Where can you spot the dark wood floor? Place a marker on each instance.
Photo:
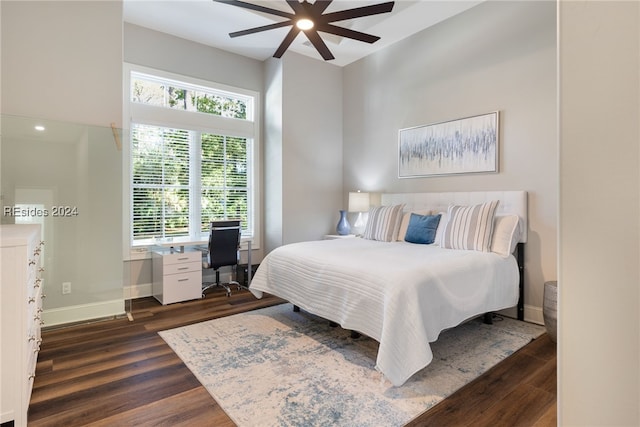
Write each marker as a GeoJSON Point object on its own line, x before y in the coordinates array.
{"type": "Point", "coordinates": [121, 373]}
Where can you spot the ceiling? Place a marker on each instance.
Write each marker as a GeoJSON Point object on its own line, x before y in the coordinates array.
{"type": "Point", "coordinates": [209, 22]}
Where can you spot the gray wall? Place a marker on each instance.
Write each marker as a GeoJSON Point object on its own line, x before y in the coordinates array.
{"type": "Point", "coordinates": [599, 281]}
{"type": "Point", "coordinates": [303, 128]}
{"type": "Point", "coordinates": [63, 60]}
{"type": "Point", "coordinates": [495, 56]}
{"type": "Point", "coordinates": [312, 147]}
{"type": "Point", "coordinates": [173, 54]}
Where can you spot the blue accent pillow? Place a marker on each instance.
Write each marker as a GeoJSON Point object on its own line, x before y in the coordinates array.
{"type": "Point", "coordinates": [422, 229]}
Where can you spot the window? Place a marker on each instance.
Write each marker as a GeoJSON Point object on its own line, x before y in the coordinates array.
{"type": "Point", "coordinates": [151, 90]}
{"type": "Point", "coordinates": [191, 157]}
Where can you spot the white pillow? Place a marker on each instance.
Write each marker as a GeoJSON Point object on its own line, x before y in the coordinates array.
{"type": "Point", "coordinates": [404, 224]}
{"type": "Point", "coordinates": [383, 223]}
{"type": "Point", "coordinates": [506, 234]}
{"type": "Point", "coordinates": [470, 227]}
{"type": "Point", "coordinates": [444, 218]}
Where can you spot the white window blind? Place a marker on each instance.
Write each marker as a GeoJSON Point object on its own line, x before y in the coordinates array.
{"type": "Point", "coordinates": [160, 182]}
{"type": "Point", "coordinates": [224, 185]}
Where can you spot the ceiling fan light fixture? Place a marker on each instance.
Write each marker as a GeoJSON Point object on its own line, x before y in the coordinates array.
{"type": "Point", "coordinates": [311, 18]}
{"type": "Point", "coordinates": [304, 24]}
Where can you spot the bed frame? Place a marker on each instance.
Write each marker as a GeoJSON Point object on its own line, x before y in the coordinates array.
{"type": "Point", "coordinates": [511, 202]}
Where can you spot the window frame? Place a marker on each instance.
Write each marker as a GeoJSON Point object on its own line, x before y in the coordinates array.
{"type": "Point", "coordinates": [194, 121]}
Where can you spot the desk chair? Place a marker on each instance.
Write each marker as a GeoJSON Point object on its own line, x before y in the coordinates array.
{"type": "Point", "coordinates": [224, 251]}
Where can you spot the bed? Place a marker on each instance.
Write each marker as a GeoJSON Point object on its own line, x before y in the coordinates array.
{"type": "Point", "coordinates": [404, 294]}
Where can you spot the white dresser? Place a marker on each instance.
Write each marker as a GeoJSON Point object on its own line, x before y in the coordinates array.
{"type": "Point", "coordinates": [21, 316]}
{"type": "Point", "coordinates": [177, 276]}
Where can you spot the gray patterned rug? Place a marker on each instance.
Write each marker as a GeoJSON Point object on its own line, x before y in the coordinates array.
{"type": "Point", "coordinates": [274, 367]}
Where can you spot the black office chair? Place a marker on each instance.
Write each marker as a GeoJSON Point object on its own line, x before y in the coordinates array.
{"type": "Point", "coordinates": [224, 251]}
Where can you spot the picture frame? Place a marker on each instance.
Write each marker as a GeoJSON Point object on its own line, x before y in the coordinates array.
{"type": "Point", "coordinates": [461, 146]}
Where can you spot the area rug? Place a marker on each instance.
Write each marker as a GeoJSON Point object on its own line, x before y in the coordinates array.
{"type": "Point", "coordinates": [276, 367]}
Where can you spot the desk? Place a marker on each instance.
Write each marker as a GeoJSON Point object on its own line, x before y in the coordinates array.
{"type": "Point", "coordinates": [179, 243]}
{"type": "Point", "coordinates": [177, 269]}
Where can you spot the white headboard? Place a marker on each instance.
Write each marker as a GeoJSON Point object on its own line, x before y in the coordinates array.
{"type": "Point", "coordinates": [511, 202]}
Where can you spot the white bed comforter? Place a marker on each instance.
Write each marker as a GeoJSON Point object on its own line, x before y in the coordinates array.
{"type": "Point", "coordinates": [401, 294]}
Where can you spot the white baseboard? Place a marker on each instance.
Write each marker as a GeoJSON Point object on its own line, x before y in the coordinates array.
{"type": "Point", "coordinates": [532, 314]}
{"type": "Point", "coordinates": [138, 291]}
{"type": "Point", "coordinates": [82, 313]}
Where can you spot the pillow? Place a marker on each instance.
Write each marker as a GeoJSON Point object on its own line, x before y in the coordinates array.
{"type": "Point", "coordinates": [402, 231]}
{"type": "Point", "coordinates": [383, 223]}
{"type": "Point", "coordinates": [470, 227]}
{"type": "Point", "coordinates": [506, 234]}
{"type": "Point", "coordinates": [422, 229]}
{"type": "Point", "coordinates": [444, 218]}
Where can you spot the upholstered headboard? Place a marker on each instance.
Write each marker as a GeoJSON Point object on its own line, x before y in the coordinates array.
{"type": "Point", "coordinates": [511, 202]}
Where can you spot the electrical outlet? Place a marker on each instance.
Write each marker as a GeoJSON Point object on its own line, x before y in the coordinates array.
{"type": "Point", "coordinates": [66, 288]}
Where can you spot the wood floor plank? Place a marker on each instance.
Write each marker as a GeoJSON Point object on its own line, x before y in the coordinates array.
{"type": "Point", "coordinates": [106, 364]}
{"type": "Point", "coordinates": [79, 407]}
{"type": "Point", "coordinates": [89, 379]}
{"type": "Point", "coordinates": [527, 404]}
{"type": "Point", "coordinates": [549, 418]}
{"type": "Point", "coordinates": [545, 378]}
{"type": "Point", "coordinates": [542, 347]}
{"type": "Point", "coordinates": [191, 408]}
{"type": "Point", "coordinates": [117, 372]}
{"type": "Point", "coordinates": [481, 394]}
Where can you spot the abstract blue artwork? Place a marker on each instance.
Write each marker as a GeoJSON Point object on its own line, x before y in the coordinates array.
{"type": "Point", "coordinates": [468, 145]}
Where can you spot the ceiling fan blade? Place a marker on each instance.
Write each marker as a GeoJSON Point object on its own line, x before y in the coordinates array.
{"type": "Point", "coordinates": [358, 12]}
{"type": "Point", "coordinates": [295, 5]}
{"type": "Point", "coordinates": [286, 42]}
{"type": "Point", "coordinates": [320, 6]}
{"type": "Point", "coordinates": [345, 32]}
{"type": "Point", "coordinates": [259, 29]}
{"type": "Point", "coordinates": [257, 8]}
{"type": "Point", "coordinates": [319, 44]}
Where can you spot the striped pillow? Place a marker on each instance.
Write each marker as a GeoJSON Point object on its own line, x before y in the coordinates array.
{"type": "Point", "coordinates": [383, 223]}
{"type": "Point", "coordinates": [470, 227]}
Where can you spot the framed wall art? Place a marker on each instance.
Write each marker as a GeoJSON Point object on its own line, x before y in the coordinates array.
{"type": "Point", "coordinates": [468, 145]}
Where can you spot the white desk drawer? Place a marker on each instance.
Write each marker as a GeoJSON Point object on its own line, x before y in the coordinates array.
{"type": "Point", "coordinates": [181, 287]}
{"type": "Point", "coordinates": [182, 268]}
{"type": "Point", "coordinates": [181, 257]}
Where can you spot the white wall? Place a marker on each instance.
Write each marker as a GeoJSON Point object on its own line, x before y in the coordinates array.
{"type": "Point", "coordinates": [273, 156]}
{"type": "Point", "coordinates": [62, 64]}
{"type": "Point", "coordinates": [162, 51]}
{"type": "Point", "coordinates": [303, 138]}
{"type": "Point", "coordinates": [63, 60]}
{"type": "Point", "coordinates": [495, 56]}
{"type": "Point", "coordinates": [599, 280]}
{"type": "Point", "coordinates": [312, 147]}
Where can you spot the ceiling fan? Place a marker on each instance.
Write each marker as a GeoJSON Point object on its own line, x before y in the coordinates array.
{"type": "Point", "coordinates": [310, 18]}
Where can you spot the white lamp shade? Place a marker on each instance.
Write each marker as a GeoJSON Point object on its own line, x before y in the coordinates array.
{"type": "Point", "coordinates": [359, 202]}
